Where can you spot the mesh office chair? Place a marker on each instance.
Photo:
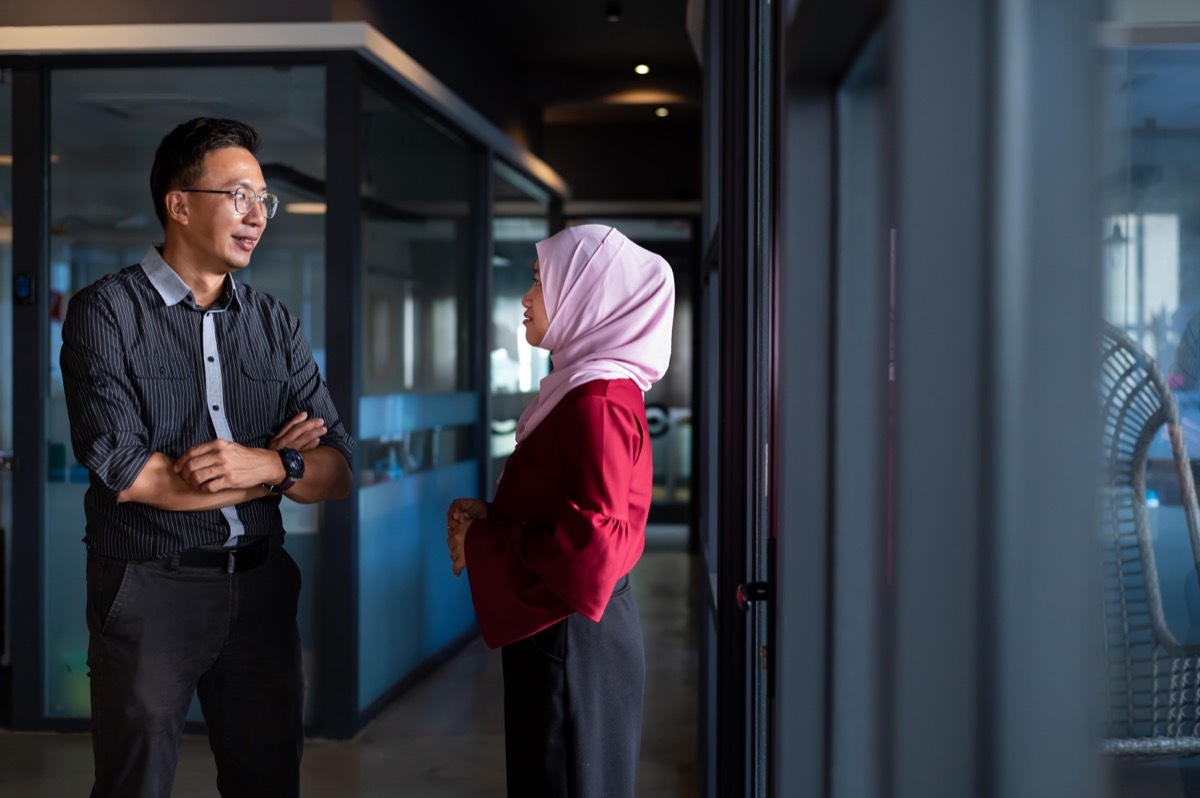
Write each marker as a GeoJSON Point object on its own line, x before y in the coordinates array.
{"type": "Point", "coordinates": [1153, 678]}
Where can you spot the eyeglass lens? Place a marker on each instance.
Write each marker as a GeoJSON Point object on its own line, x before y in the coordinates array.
{"type": "Point", "coordinates": [243, 201]}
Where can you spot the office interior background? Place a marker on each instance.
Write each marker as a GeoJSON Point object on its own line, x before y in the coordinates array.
{"type": "Point", "coordinates": [933, 390]}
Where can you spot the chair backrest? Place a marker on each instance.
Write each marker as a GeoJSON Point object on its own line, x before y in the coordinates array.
{"type": "Point", "coordinates": [1153, 679]}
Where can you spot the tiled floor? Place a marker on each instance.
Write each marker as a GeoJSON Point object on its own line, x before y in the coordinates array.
{"type": "Point", "coordinates": [445, 736]}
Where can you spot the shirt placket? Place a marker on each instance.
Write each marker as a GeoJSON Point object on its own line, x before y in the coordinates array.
{"type": "Point", "coordinates": [215, 397]}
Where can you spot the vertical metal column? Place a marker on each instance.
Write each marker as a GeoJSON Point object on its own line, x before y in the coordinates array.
{"type": "Point", "coordinates": [30, 368]}
{"type": "Point", "coordinates": [1045, 612]}
{"type": "Point", "coordinates": [997, 606]}
{"type": "Point", "coordinates": [743, 658]}
{"type": "Point", "coordinates": [338, 644]}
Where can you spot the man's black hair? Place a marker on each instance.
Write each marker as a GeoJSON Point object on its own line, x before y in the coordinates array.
{"type": "Point", "coordinates": [179, 161]}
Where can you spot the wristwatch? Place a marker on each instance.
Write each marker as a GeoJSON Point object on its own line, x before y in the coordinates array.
{"type": "Point", "coordinates": [293, 465]}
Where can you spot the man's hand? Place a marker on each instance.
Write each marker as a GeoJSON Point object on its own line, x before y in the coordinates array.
{"type": "Point", "coordinates": [221, 465]}
{"type": "Point", "coordinates": [300, 433]}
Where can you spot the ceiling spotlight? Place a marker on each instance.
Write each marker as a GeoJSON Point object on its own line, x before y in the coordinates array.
{"type": "Point", "coordinates": [661, 111]}
{"type": "Point", "coordinates": [612, 12]}
{"type": "Point", "coordinates": [642, 69]}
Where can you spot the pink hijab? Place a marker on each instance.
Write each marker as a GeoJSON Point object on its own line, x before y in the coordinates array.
{"type": "Point", "coordinates": [610, 306]}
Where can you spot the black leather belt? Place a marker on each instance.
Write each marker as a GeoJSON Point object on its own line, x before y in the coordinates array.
{"type": "Point", "coordinates": [230, 560]}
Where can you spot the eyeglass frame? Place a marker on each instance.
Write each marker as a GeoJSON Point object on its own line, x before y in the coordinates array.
{"type": "Point", "coordinates": [261, 199]}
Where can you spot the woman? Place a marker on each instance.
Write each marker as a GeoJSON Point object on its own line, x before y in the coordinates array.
{"type": "Point", "coordinates": [548, 560]}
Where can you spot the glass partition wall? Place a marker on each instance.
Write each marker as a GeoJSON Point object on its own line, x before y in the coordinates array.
{"type": "Point", "coordinates": [520, 219]}
{"type": "Point", "coordinates": [415, 254]}
{"type": "Point", "coordinates": [105, 125]}
{"type": "Point", "coordinates": [419, 411]}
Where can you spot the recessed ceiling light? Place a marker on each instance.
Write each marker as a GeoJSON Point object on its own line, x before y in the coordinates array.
{"type": "Point", "coordinates": [661, 112]}
{"type": "Point", "coordinates": [642, 69]}
{"type": "Point", "coordinates": [612, 12]}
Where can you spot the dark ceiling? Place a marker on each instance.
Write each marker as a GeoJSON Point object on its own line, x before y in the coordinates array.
{"type": "Point", "coordinates": [558, 77]}
{"type": "Point", "coordinates": [584, 109]}
{"type": "Point", "coordinates": [576, 34]}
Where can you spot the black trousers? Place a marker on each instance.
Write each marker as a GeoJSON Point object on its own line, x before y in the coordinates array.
{"type": "Point", "coordinates": [573, 705]}
{"type": "Point", "coordinates": [160, 632]}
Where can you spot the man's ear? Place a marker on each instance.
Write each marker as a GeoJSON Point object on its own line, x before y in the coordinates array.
{"type": "Point", "coordinates": [177, 207]}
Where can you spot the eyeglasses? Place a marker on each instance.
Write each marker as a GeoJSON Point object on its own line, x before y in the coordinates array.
{"type": "Point", "coordinates": [243, 200]}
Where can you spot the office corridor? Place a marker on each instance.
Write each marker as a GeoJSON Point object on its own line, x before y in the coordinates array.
{"type": "Point", "coordinates": [444, 737]}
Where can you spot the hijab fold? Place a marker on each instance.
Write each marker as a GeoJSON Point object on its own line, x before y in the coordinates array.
{"type": "Point", "coordinates": [610, 305]}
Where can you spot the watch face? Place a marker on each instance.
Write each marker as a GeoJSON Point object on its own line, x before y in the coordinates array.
{"type": "Point", "coordinates": [293, 462]}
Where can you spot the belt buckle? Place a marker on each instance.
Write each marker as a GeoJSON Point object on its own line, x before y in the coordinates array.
{"type": "Point", "coordinates": [231, 562]}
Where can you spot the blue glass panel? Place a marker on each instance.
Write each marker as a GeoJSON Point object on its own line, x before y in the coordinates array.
{"type": "Point", "coordinates": [410, 604]}
{"type": "Point", "coordinates": [389, 417]}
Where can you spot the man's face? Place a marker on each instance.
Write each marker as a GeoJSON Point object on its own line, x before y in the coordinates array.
{"type": "Point", "coordinates": [221, 237]}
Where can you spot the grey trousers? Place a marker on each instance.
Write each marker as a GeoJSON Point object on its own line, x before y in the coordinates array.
{"type": "Point", "coordinates": [160, 633]}
{"type": "Point", "coordinates": [573, 705]}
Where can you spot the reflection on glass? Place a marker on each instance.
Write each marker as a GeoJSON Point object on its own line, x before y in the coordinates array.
{"type": "Point", "coordinates": [1149, 397]}
{"type": "Point", "coordinates": [105, 126]}
{"type": "Point", "coordinates": [417, 253]}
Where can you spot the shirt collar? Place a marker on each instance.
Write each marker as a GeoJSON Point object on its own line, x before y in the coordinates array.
{"type": "Point", "coordinates": [173, 289]}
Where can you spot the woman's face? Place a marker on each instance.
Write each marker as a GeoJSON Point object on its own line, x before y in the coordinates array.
{"type": "Point", "coordinates": [536, 322]}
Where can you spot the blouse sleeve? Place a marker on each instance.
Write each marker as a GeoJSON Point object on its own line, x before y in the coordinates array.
{"type": "Point", "coordinates": [524, 579]}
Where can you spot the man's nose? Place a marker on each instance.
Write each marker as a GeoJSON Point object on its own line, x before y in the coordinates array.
{"type": "Point", "coordinates": [257, 213]}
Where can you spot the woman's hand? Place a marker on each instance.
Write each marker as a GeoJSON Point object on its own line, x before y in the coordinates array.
{"type": "Point", "coordinates": [462, 509]}
{"type": "Point", "coordinates": [456, 541]}
{"type": "Point", "coordinates": [458, 520]}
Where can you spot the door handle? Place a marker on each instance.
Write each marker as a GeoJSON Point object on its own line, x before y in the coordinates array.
{"type": "Point", "coordinates": [750, 592]}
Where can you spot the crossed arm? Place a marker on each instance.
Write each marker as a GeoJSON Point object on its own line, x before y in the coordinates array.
{"type": "Point", "coordinates": [220, 473]}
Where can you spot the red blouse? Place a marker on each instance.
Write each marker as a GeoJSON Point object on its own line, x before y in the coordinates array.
{"type": "Point", "coordinates": [569, 517]}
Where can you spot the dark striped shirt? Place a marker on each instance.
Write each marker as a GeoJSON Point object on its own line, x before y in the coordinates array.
{"type": "Point", "coordinates": [147, 370]}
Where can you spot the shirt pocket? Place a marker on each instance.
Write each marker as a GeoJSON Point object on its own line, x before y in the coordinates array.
{"type": "Point", "coordinates": [263, 394]}
{"type": "Point", "coordinates": [166, 390]}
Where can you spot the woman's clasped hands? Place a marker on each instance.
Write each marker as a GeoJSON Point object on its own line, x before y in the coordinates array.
{"type": "Point", "coordinates": [458, 520]}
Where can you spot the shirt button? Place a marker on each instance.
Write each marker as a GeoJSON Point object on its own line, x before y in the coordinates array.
{"type": "Point", "coordinates": [216, 407]}
{"type": "Point", "coordinates": [211, 358]}
{"type": "Point", "coordinates": [162, 369]}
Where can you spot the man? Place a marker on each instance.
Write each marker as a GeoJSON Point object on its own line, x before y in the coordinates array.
{"type": "Point", "coordinates": [196, 405]}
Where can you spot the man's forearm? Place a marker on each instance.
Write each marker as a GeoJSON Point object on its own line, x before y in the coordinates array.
{"type": "Point", "coordinates": [326, 476]}
{"type": "Point", "coordinates": [159, 486]}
